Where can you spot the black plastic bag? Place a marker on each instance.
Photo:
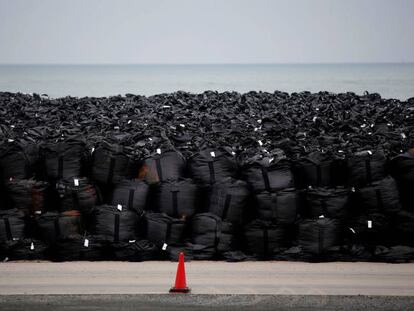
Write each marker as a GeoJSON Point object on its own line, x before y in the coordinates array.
{"type": "Point", "coordinates": [211, 236]}
{"type": "Point", "coordinates": [328, 202]}
{"type": "Point", "coordinates": [165, 165]}
{"type": "Point", "coordinates": [27, 195]}
{"type": "Point", "coordinates": [281, 206]}
{"type": "Point", "coordinates": [111, 163]}
{"type": "Point", "coordinates": [320, 170]}
{"type": "Point", "coordinates": [162, 229]}
{"type": "Point", "coordinates": [134, 250]}
{"type": "Point", "coordinates": [369, 230]}
{"type": "Point", "coordinates": [17, 160]}
{"type": "Point", "coordinates": [402, 169]}
{"type": "Point", "coordinates": [131, 194]}
{"type": "Point", "coordinates": [64, 159]}
{"type": "Point", "coordinates": [228, 199]}
{"type": "Point", "coordinates": [12, 225]}
{"type": "Point", "coordinates": [380, 197]}
{"type": "Point", "coordinates": [76, 194]}
{"type": "Point", "coordinates": [114, 223]}
{"type": "Point", "coordinates": [317, 236]}
{"type": "Point", "coordinates": [77, 248]}
{"type": "Point", "coordinates": [25, 249]}
{"type": "Point", "coordinates": [177, 199]}
{"type": "Point", "coordinates": [211, 165]}
{"type": "Point", "coordinates": [264, 237]}
{"type": "Point", "coordinates": [52, 226]}
{"type": "Point", "coordinates": [367, 166]}
{"type": "Point", "coordinates": [268, 174]}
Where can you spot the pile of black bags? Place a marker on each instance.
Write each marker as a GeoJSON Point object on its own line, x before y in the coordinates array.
{"type": "Point", "coordinates": [219, 176]}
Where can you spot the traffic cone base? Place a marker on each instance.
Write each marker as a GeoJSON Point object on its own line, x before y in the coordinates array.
{"type": "Point", "coordinates": [180, 279]}
{"type": "Point", "coordinates": [180, 290]}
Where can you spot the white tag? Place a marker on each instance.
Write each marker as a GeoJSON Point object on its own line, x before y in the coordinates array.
{"type": "Point", "coordinates": [363, 125]}
{"type": "Point", "coordinates": [10, 140]}
{"type": "Point", "coordinates": [369, 152]}
{"type": "Point", "coordinates": [93, 149]}
{"type": "Point", "coordinates": [370, 224]}
{"type": "Point", "coordinates": [119, 207]}
{"type": "Point", "coordinates": [159, 151]}
{"type": "Point", "coordinates": [321, 216]}
{"type": "Point", "coordinates": [76, 182]}
{"type": "Point", "coordinates": [353, 189]}
{"type": "Point", "coordinates": [271, 160]}
{"type": "Point", "coordinates": [233, 153]}
{"type": "Point", "coordinates": [12, 126]}
{"type": "Point", "coordinates": [86, 243]}
{"type": "Point", "coordinates": [182, 125]}
{"type": "Point", "coordinates": [131, 241]}
{"type": "Point", "coordinates": [403, 136]}
{"type": "Point", "coordinates": [149, 138]}
{"type": "Point", "coordinates": [259, 121]}
{"type": "Point", "coordinates": [314, 119]}
{"type": "Point", "coordinates": [38, 212]}
{"type": "Point", "coordinates": [129, 121]}
{"type": "Point", "coordinates": [32, 246]}
{"type": "Point", "coordinates": [255, 129]}
{"type": "Point", "coordinates": [11, 178]}
{"type": "Point", "coordinates": [116, 127]}
{"type": "Point", "coordinates": [166, 106]}
{"type": "Point", "coordinates": [260, 142]}
{"type": "Point", "coordinates": [353, 231]}
{"type": "Point", "coordinates": [164, 246]}
{"type": "Point", "coordinates": [213, 154]}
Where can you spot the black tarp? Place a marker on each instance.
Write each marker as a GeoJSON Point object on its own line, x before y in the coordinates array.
{"type": "Point", "coordinates": [131, 194]}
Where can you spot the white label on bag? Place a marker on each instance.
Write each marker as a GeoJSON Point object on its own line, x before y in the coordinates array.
{"type": "Point", "coordinates": [10, 140]}
{"type": "Point", "coordinates": [159, 151]}
{"type": "Point", "coordinates": [370, 224]}
{"type": "Point", "coordinates": [403, 136]}
{"type": "Point", "coordinates": [233, 153]}
{"type": "Point", "coordinates": [119, 207]}
{"type": "Point", "coordinates": [259, 121]}
{"type": "Point", "coordinates": [131, 241]}
{"type": "Point", "coordinates": [93, 149]}
{"type": "Point", "coordinates": [314, 119]}
{"type": "Point", "coordinates": [164, 246]}
{"type": "Point", "coordinates": [32, 246]}
{"type": "Point", "coordinates": [369, 152]}
{"type": "Point", "coordinates": [271, 160]}
{"type": "Point", "coordinates": [76, 182]}
{"type": "Point", "coordinates": [353, 231]}
{"type": "Point", "coordinates": [260, 142]}
{"type": "Point", "coordinates": [321, 216]}
{"type": "Point", "coordinates": [86, 243]}
{"type": "Point", "coordinates": [166, 106]}
{"type": "Point", "coordinates": [213, 154]}
{"type": "Point", "coordinates": [129, 121]}
{"type": "Point", "coordinates": [38, 212]}
{"type": "Point", "coordinates": [182, 125]}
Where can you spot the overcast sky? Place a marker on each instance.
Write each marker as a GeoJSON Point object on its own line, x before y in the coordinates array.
{"type": "Point", "coordinates": [206, 31]}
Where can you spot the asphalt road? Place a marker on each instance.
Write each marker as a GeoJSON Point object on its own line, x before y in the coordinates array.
{"type": "Point", "coordinates": [245, 285]}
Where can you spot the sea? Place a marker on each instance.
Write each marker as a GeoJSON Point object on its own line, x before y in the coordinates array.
{"type": "Point", "coordinates": [390, 80]}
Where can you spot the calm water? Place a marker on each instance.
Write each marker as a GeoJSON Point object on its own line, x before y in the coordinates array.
{"type": "Point", "coordinates": [390, 80]}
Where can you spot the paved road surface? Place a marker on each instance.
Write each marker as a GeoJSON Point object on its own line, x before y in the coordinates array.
{"type": "Point", "coordinates": [271, 278]}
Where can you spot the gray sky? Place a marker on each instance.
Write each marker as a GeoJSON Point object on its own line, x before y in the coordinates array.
{"type": "Point", "coordinates": [206, 31]}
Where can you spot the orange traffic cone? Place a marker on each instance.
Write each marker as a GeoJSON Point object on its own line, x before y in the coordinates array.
{"type": "Point", "coordinates": [180, 281]}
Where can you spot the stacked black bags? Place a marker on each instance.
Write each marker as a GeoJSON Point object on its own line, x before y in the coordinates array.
{"type": "Point", "coordinates": [17, 160]}
{"type": "Point", "coordinates": [76, 194]}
